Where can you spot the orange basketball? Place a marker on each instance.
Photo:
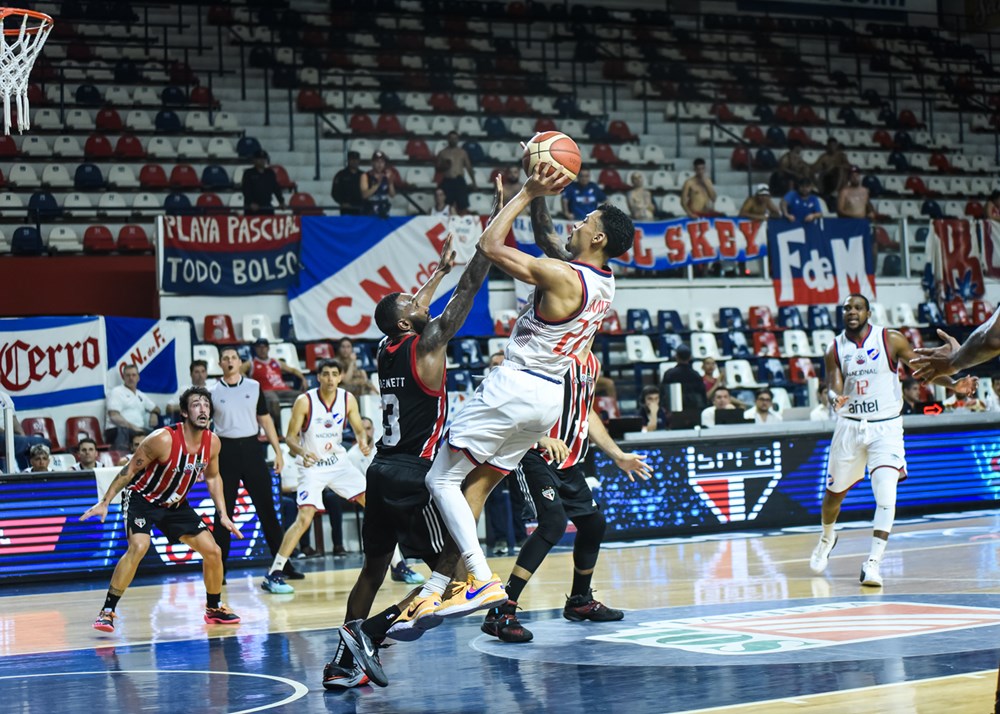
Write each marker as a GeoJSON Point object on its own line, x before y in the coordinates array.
{"type": "Point", "coordinates": [553, 148]}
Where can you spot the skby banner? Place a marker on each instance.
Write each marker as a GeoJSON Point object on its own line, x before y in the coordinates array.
{"type": "Point", "coordinates": [351, 262]}
{"type": "Point", "coordinates": [662, 245]}
{"type": "Point", "coordinates": [161, 349]}
{"type": "Point", "coordinates": [821, 262]}
{"type": "Point", "coordinates": [953, 267]}
{"type": "Point", "coordinates": [228, 255]}
{"type": "Point", "coordinates": [48, 362]}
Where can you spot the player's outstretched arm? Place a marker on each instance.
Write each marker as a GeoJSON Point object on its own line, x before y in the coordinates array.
{"type": "Point", "coordinates": [903, 351]}
{"type": "Point", "coordinates": [631, 463]}
{"type": "Point", "coordinates": [983, 345]}
{"type": "Point", "coordinates": [546, 237]}
{"type": "Point", "coordinates": [155, 447]}
{"type": "Point", "coordinates": [213, 482]}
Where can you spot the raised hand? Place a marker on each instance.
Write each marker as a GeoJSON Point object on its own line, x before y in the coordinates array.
{"type": "Point", "coordinates": [98, 509]}
{"type": "Point", "coordinates": [933, 362]}
{"type": "Point", "coordinates": [634, 465]}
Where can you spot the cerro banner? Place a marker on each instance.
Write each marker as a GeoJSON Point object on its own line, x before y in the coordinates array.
{"type": "Point", "coordinates": [228, 255]}
{"type": "Point", "coordinates": [662, 245]}
{"type": "Point", "coordinates": [51, 361]}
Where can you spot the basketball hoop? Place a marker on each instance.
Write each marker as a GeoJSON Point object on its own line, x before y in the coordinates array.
{"type": "Point", "coordinates": [24, 32]}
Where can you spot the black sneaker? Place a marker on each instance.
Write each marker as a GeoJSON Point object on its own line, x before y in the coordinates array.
{"type": "Point", "coordinates": [291, 573]}
{"type": "Point", "coordinates": [336, 677]}
{"type": "Point", "coordinates": [585, 607]}
{"type": "Point", "coordinates": [365, 652]}
{"type": "Point", "coordinates": [501, 622]}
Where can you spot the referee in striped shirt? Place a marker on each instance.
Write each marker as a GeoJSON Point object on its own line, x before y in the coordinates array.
{"type": "Point", "coordinates": [239, 413]}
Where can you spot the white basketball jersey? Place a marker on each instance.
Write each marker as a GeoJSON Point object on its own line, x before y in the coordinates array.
{"type": "Point", "coordinates": [537, 344]}
{"type": "Point", "coordinates": [323, 429]}
{"type": "Point", "coordinates": [871, 383]}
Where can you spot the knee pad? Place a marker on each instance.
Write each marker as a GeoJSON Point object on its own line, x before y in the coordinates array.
{"type": "Point", "coordinates": [551, 525]}
{"type": "Point", "coordinates": [589, 535]}
{"type": "Point", "coordinates": [884, 481]}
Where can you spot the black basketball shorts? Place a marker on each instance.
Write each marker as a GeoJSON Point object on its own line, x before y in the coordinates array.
{"type": "Point", "coordinates": [398, 509]}
{"type": "Point", "coordinates": [551, 488]}
{"type": "Point", "coordinates": [175, 522]}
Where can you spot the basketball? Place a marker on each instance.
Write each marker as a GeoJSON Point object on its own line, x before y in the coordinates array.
{"type": "Point", "coordinates": [553, 148]}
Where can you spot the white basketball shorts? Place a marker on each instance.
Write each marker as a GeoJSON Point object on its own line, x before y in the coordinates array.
{"type": "Point", "coordinates": [860, 443]}
{"type": "Point", "coordinates": [343, 477]}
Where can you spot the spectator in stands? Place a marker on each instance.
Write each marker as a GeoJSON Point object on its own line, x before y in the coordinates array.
{"type": "Point", "coordinates": [441, 208]}
{"type": "Point", "coordinates": [792, 169]}
{"type": "Point", "coordinates": [356, 456]}
{"type": "Point", "coordinates": [831, 168]}
{"type": "Point", "coordinates": [511, 182]}
{"type": "Point", "coordinates": [132, 447]}
{"type": "Point", "coordinates": [654, 416]}
{"type": "Point", "coordinates": [692, 385]}
{"type": "Point", "coordinates": [87, 456]}
{"type": "Point", "coordinates": [712, 376]}
{"type": "Point", "coordinates": [853, 201]}
{"type": "Point", "coordinates": [801, 205]}
{"type": "Point", "coordinates": [198, 370]}
{"type": "Point", "coordinates": [259, 184]}
{"type": "Point", "coordinates": [581, 197]}
{"type": "Point", "coordinates": [269, 372]}
{"type": "Point", "coordinates": [823, 411]}
{"type": "Point", "coordinates": [762, 411]}
{"type": "Point", "coordinates": [640, 200]}
{"type": "Point", "coordinates": [698, 193]}
{"type": "Point", "coordinates": [993, 206]}
{"type": "Point", "coordinates": [911, 396]}
{"type": "Point", "coordinates": [759, 206]}
{"type": "Point", "coordinates": [130, 412]}
{"type": "Point", "coordinates": [993, 398]}
{"type": "Point", "coordinates": [22, 445]}
{"type": "Point", "coordinates": [39, 459]}
{"type": "Point", "coordinates": [377, 187]}
{"type": "Point", "coordinates": [354, 379]}
{"type": "Point", "coordinates": [721, 399]}
{"type": "Point", "coordinates": [453, 163]}
{"type": "Point", "coordinates": [346, 187]}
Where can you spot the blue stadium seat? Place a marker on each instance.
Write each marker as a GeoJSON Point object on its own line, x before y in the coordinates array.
{"type": "Point", "coordinates": [776, 137]}
{"type": "Point", "coordinates": [495, 128]}
{"type": "Point", "coordinates": [189, 321]}
{"type": "Point", "coordinates": [27, 241]}
{"type": "Point", "coordinates": [467, 353]}
{"type": "Point", "coordinates": [595, 130]}
{"type": "Point", "coordinates": [390, 102]}
{"type": "Point", "coordinates": [475, 152]}
{"type": "Point", "coordinates": [772, 372]}
{"type": "Point", "coordinates": [459, 380]}
{"type": "Point", "coordinates": [892, 267]}
{"type": "Point", "coordinates": [366, 359]}
{"type": "Point", "coordinates": [167, 122]}
{"type": "Point", "coordinates": [930, 313]}
{"type": "Point", "coordinates": [215, 177]}
{"type": "Point", "coordinates": [42, 206]}
{"type": "Point", "coordinates": [173, 96]}
{"type": "Point", "coordinates": [127, 72]}
{"type": "Point", "coordinates": [873, 185]}
{"type": "Point", "coordinates": [247, 146]}
{"type": "Point", "coordinates": [88, 95]}
{"type": "Point", "coordinates": [88, 177]}
{"type": "Point", "coordinates": [931, 209]}
{"type": "Point", "coordinates": [245, 353]}
{"type": "Point", "coordinates": [790, 318]}
{"type": "Point", "coordinates": [819, 318]}
{"type": "Point", "coordinates": [732, 318]}
{"type": "Point", "coordinates": [667, 343]}
{"type": "Point", "coordinates": [177, 204]}
{"type": "Point", "coordinates": [286, 329]}
{"type": "Point", "coordinates": [734, 344]}
{"type": "Point", "coordinates": [637, 320]}
{"type": "Point", "coordinates": [565, 106]}
{"type": "Point", "coordinates": [839, 321]}
{"type": "Point", "coordinates": [670, 321]}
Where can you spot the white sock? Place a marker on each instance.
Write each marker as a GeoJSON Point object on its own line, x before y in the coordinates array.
{"type": "Point", "coordinates": [435, 585]}
{"type": "Point", "coordinates": [396, 557]}
{"type": "Point", "coordinates": [878, 549]}
{"type": "Point", "coordinates": [278, 564]}
{"type": "Point", "coordinates": [829, 531]}
{"type": "Point", "coordinates": [444, 481]}
{"type": "Point", "coordinates": [475, 563]}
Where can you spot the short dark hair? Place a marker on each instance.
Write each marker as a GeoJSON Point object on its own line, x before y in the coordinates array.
{"type": "Point", "coordinates": [909, 382]}
{"type": "Point", "coordinates": [766, 391]}
{"type": "Point", "coordinates": [197, 363]}
{"type": "Point", "coordinates": [228, 348]}
{"type": "Point", "coordinates": [682, 353]}
{"type": "Point", "coordinates": [83, 441]}
{"type": "Point", "coordinates": [324, 363]}
{"type": "Point", "coordinates": [618, 228]}
{"type": "Point", "coordinates": [721, 388]}
{"type": "Point", "coordinates": [648, 390]}
{"type": "Point", "coordinates": [699, 162]}
{"type": "Point", "coordinates": [868, 305]}
{"type": "Point", "coordinates": [196, 392]}
{"type": "Point", "coordinates": [387, 315]}
{"type": "Point", "coordinates": [127, 367]}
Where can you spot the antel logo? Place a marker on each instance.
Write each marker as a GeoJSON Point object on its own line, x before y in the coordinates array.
{"type": "Point", "coordinates": [805, 627]}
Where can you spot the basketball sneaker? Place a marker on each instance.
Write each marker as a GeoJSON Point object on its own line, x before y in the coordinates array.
{"type": "Point", "coordinates": [336, 677]}
{"type": "Point", "coordinates": [290, 573]}
{"type": "Point", "coordinates": [585, 607]}
{"type": "Point", "coordinates": [276, 584]}
{"type": "Point", "coordinates": [105, 621]}
{"type": "Point", "coordinates": [221, 615]}
{"type": "Point", "coordinates": [472, 595]}
{"type": "Point", "coordinates": [420, 616]}
{"type": "Point", "coordinates": [403, 573]}
{"type": "Point", "coordinates": [821, 554]}
{"type": "Point", "coordinates": [365, 652]}
{"type": "Point", "coordinates": [870, 575]}
{"type": "Point", "coordinates": [501, 622]}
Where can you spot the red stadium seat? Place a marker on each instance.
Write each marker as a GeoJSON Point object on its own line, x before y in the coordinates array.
{"type": "Point", "coordinates": [443, 103]}
{"type": "Point", "coordinates": [785, 113]}
{"type": "Point", "coordinates": [284, 180]}
{"type": "Point", "coordinates": [219, 330]}
{"type": "Point", "coordinates": [612, 180]}
{"type": "Point", "coordinates": [801, 370]}
{"type": "Point", "coordinates": [917, 186]}
{"type": "Point", "coordinates": [883, 240]}
{"type": "Point", "coordinates": [607, 406]}
{"type": "Point", "coordinates": [884, 139]}
{"type": "Point", "coordinates": [304, 204]}
{"type": "Point", "coordinates": [806, 115]}
{"type": "Point", "coordinates": [516, 104]}
{"type": "Point", "coordinates": [956, 314]}
{"type": "Point", "coordinates": [981, 312]}
{"type": "Point", "coordinates": [765, 344]}
{"type": "Point", "coordinates": [202, 96]}
{"type": "Point", "coordinates": [611, 325]}
{"type": "Point", "coordinates": [84, 426]}
{"type": "Point", "coordinates": [211, 203]}
{"type": "Point", "coordinates": [799, 135]}
{"type": "Point", "coordinates": [418, 150]}
{"type": "Point", "coordinates": [183, 176]}
{"type": "Point", "coordinates": [362, 124]}
{"type": "Point", "coordinates": [8, 148]}
{"type": "Point", "coordinates": [388, 62]}
{"type": "Point", "coordinates": [309, 100]}
{"type": "Point", "coordinates": [108, 119]}
{"type": "Point", "coordinates": [545, 124]}
{"type": "Point", "coordinates": [604, 154]}
{"type": "Point", "coordinates": [620, 130]}
{"type": "Point", "coordinates": [974, 209]}
{"type": "Point", "coordinates": [79, 52]}
{"type": "Point", "coordinates": [97, 147]}
{"type": "Point", "coordinates": [760, 317]}
{"type": "Point", "coordinates": [740, 159]}
{"type": "Point", "coordinates": [723, 113]}
{"type": "Point", "coordinates": [913, 335]}
{"type": "Point", "coordinates": [754, 134]}
{"type": "Point", "coordinates": [492, 104]}
{"type": "Point", "coordinates": [98, 239]}
{"type": "Point", "coordinates": [908, 120]}
{"type": "Point", "coordinates": [133, 239]}
{"type": "Point", "coordinates": [41, 426]}
{"type": "Point", "coordinates": [128, 146]}
{"type": "Point", "coordinates": [153, 176]}
{"type": "Point", "coordinates": [388, 124]}
{"type": "Point", "coordinates": [940, 162]}
{"type": "Point", "coordinates": [316, 351]}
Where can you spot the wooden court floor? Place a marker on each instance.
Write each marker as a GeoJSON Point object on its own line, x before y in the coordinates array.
{"type": "Point", "coordinates": [723, 624]}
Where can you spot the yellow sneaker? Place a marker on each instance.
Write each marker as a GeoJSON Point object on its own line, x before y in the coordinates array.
{"type": "Point", "coordinates": [421, 615]}
{"type": "Point", "coordinates": [472, 595]}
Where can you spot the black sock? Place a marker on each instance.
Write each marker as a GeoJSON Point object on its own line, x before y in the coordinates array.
{"type": "Point", "coordinates": [581, 584]}
{"type": "Point", "coordinates": [376, 627]}
{"type": "Point", "coordinates": [213, 601]}
{"type": "Point", "coordinates": [343, 656]}
{"type": "Point", "coordinates": [111, 601]}
{"type": "Point", "coordinates": [515, 586]}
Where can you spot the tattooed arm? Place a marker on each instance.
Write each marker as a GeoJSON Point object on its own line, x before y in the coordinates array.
{"type": "Point", "coordinates": [545, 233]}
{"type": "Point", "coordinates": [155, 447]}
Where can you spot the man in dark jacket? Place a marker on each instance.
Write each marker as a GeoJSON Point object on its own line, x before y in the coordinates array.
{"type": "Point", "coordinates": [346, 189]}
{"type": "Point", "coordinates": [692, 385]}
{"type": "Point", "coordinates": [259, 184]}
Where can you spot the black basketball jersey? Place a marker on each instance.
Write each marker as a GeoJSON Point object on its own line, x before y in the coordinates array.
{"type": "Point", "coordinates": [413, 413]}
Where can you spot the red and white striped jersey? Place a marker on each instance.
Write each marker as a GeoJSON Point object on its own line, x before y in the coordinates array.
{"type": "Point", "coordinates": [573, 426]}
{"type": "Point", "coordinates": [538, 344]}
{"type": "Point", "coordinates": [167, 483]}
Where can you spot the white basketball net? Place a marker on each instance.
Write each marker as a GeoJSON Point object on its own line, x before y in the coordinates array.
{"type": "Point", "coordinates": [18, 51]}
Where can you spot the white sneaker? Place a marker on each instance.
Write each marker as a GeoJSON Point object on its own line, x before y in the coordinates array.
{"type": "Point", "coordinates": [821, 554]}
{"type": "Point", "coordinates": [870, 575]}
